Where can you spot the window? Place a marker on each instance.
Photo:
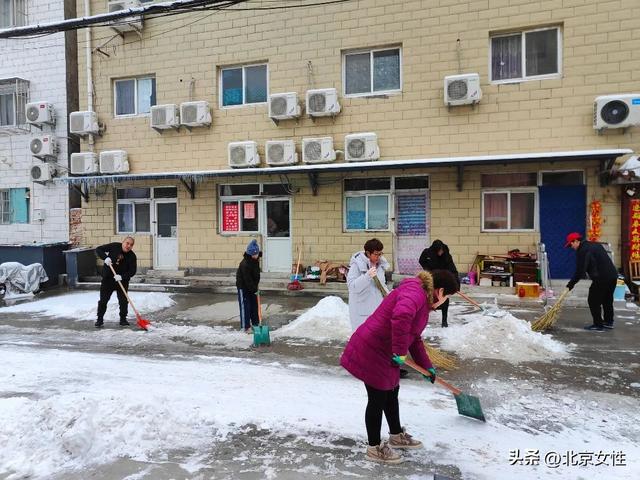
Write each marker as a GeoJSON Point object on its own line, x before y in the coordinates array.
{"type": "Point", "coordinates": [134, 96]}
{"type": "Point", "coordinates": [571, 177]}
{"type": "Point", "coordinates": [13, 13]}
{"type": "Point", "coordinates": [244, 85]}
{"type": "Point", "coordinates": [508, 210]}
{"type": "Point", "coordinates": [14, 205]}
{"type": "Point", "coordinates": [14, 95]}
{"type": "Point", "coordinates": [526, 55]}
{"type": "Point", "coordinates": [133, 210]}
{"type": "Point", "coordinates": [372, 72]}
{"type": "Point", "coordinates": [366, 205]}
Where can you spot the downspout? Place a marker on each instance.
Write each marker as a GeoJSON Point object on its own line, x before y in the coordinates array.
{"type": "Point", "coordinates": [88, 53]}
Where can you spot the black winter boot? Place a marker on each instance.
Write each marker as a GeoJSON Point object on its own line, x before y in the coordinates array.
{"type": "Point", "coordinates": [124, 323]}
{"type": "Point", "coordinates": [99, 323]}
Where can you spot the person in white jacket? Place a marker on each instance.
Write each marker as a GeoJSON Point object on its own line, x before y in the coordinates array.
{"type": "Point", "coordinates": [364, 295]}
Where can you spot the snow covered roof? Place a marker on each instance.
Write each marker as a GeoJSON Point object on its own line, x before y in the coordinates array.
{"type": "Point", "coordinates": [198, 175]}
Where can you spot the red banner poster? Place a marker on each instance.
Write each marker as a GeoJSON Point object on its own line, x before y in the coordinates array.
{"type": "Point", "coordinates": [634, 230]}
{"type": "Point", "coordinates": [249, 210]}
{"type": "Point", "coordinates": [230, 217]}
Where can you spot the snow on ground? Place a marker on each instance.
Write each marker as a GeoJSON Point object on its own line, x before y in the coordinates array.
{"type": "Point", "coordinates": [83, 306]}
{"type": "Point", "coordinates": [503, 337]}
{"type": "Point", "coordinates": [328, 320]}
{"type": "Point", "coordinates": [73, 410]}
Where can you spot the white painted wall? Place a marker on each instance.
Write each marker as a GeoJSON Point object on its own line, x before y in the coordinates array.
{"type": "Point", "coordinates": [42, 62]}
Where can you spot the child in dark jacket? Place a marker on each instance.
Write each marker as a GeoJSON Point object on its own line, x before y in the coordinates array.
{"type": "Point", "coordinates": [247, 280]}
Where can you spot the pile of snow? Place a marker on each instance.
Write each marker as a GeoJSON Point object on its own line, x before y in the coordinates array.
{"type": "Point", "coordinates": [328, 320]}
{"type": "Point", "coordinates": [83, 306]}
{"type": "Point", "coordinates": [506, 338]}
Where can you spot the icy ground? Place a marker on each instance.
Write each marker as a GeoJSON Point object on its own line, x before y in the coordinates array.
{"type": "Point", "coordinates": [191, 400]}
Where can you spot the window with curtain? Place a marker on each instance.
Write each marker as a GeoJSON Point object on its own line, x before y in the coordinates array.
{"type": "Point", "coordinates": [366, 203]}
{"type": "Point", "coordinates": [372, 71]}
{"type": "Point", "coordinates": [14, 205]}
{"type": "Point", "coordinates": [133, 210]}
{"type": "Point", "coordinates": [134, 96]}
{"type": "Point", "coordinates": [508, 210]}
{"type": "Point", "coordinates": [528, 54]}
{"type": "Point", "coordinates": [7, 110]}
{"type": "Point", "coordinates": [13, 13]}
{"type": "Point", "coordinates": [244, 85]}
{"type": "Point", "coordinates": [5, 207]}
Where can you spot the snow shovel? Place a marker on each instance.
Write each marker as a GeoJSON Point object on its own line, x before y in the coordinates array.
{"type": "Point", "coordinates": [142, 323]}
{"type": "Point", "coordinates": [260, 331]}
{"type": "Point", "coordinates": [295, 284]}
{"type": "Point", "coordinates": [468, 405]}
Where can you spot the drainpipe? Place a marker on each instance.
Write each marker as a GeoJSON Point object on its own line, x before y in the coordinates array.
{"type": "Point", "coordinates": [87, 32]}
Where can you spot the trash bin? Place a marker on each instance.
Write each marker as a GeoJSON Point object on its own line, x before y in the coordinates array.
{"type": "Point", "coordinates": [81, 262]}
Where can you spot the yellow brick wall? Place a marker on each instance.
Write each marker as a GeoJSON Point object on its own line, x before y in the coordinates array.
{"type": "Point", "coordinates": [303, 48]}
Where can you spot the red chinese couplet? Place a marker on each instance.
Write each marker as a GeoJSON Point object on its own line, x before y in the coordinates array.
{"type": "Point", "coordinates": [634, 230]}
{"type": "Point", "coordinates": [249, 210]}
{"type": "Point", "coordinates": [230, 217]}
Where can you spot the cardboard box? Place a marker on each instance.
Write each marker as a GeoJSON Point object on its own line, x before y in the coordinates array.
{"type": "Point", "coordinates": [530, 289]}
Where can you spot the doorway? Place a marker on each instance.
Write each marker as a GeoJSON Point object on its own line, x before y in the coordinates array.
{"type": "Point", "coordinates": [412, 229]}
{"type": "Point", "coordinates": [165, 235]}
{"type": "Point", "coordinates": [276, 232]}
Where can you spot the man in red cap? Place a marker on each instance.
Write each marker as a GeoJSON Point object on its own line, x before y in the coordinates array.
{"type": "Point", "coordinates": [592, 259]}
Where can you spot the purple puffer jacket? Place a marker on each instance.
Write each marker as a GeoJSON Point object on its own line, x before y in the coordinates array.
{"type": "Point", "coordinates": [395, 327]}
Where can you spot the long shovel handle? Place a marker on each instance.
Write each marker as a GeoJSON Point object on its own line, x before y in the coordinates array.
{"type": "Point", "coordinates": [446, 385]}
{"type": "Point", "coordinates": [259, 308]}
{"type": "Point", "coordinates": [125, 293]}
{"type": "Point", "coordinates": [470, 300]}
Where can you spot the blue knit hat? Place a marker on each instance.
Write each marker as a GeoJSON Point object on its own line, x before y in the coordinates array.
{"type": "Point", "coordinates": [253, 248]}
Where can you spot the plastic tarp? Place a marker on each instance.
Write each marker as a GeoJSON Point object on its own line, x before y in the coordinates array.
{"type": "Point", "coordinates": [18, 278]}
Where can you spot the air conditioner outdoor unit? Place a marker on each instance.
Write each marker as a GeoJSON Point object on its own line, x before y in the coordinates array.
{"type": "Point", "coordinates": [83, 123]}
{"type": "Point", "coordinates": [42, 172]}
{"type": "Point", "coordinates": [283, 106]}
{"type": "Point", "coordinates": [84, 163]}
{"type": "Point", "coordinates": [165, 116]}
{"type": "Point", "coordinates": [323, 102]}
{"type": "Point", "coordinates": [195, 114]}
{"type": "Point", "coordinates": [129, 24]}
{"type": "Point", "coordinates": [462, 89]}
{"type": "Point", "coordinates": [616, 111]}
{"type": "Point", "coordinates": [361, 147]}
{"type": "Point", "coordinates": [243, 154]}
{"type": "Point", "coordinates": [318, 150]}
{"type": "Point", "coordinates": [39, 113]}
{"type": "Point", "coordinates": [114, 161]}
{"type": "Point", "coordinates": [44, 147]}
{"type": "Point", "coordinates": [281, 152]}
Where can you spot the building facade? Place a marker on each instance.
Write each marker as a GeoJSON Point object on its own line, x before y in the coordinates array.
{"type": "Point", "coordinates": [41, 74]}
{"type": "Point", "coordinates": [499, 158]}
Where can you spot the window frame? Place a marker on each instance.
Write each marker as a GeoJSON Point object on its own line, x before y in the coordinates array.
{"type": "Point", "coordinates": [523, 50]}
{"type": "Point", "coordinates": [243, 67]}
{"type": "Point", "coordinates": [5, 192]}
{"type": "Point", "coordinates": [132, 202]}
{"type": "Point", "coordinates": [18, 14]}
{"type": "Point", "coordinates": [509, 191]}
{"type": "Point", "coordinates": [371, 93]}
{"type": "Point", "coordinates": [18, 89]}
{"type": "Point", "coordinates": [135, 96]}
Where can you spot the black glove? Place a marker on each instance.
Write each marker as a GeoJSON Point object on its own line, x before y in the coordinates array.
{"type": "Point", "coordinates": [570, 286]}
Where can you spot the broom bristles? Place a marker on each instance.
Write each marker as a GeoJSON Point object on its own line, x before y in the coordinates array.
{"type": "Point", "coordinates": [440, 359]}
{"type": "Point", "coordinates": [548, 319]}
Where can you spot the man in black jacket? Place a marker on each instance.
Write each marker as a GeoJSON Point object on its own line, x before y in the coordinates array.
{"type": "Point", "coordinates": [121, 257]}
{"type": "Point", "coordinates": [247, 280]}
{"type": "Point", "coordinates": [437, 257]}
{"type": "Point", "coordinates": [592, 259]}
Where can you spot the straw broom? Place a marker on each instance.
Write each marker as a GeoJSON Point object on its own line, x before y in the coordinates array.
{"type": "Point", "coordinates": [547, 320]}
{"type": "Point", "coordinates": [438, 358]}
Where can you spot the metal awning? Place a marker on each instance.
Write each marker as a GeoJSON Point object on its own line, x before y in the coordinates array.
{"type": "Point", "coordinates": [190, 178]}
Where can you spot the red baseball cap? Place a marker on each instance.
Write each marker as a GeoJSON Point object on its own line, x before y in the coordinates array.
{"type": "Point", "coordinates": [571, 237]}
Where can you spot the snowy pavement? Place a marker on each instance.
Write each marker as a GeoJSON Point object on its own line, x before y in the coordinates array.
{"type": "Point", "coordinates": [191, 400]}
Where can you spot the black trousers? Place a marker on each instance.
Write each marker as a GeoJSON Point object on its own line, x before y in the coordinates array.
{"type": "Point", "coordinates": [381, 401]}
{"type": "Point", "coordinates": [107, 286]}
{"type": "Point", "coordinates": [444, 308]}
{"type": "Point", "coordinates": [248, 303]}
{"type": "Point", "coordinates": [600, 300]}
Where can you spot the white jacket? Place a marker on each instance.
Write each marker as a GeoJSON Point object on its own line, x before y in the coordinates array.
{"type": "Point", "coordinates": [364, 296]}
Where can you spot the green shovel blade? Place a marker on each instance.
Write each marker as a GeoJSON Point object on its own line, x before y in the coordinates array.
{"type": "Point", "coordinates": [261, 335]}
{"type": "Point", "coordinates": [469, 406]}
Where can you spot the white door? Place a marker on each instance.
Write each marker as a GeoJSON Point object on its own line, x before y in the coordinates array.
{"type": "Point", "coordinates": [166, 235]}
{"type": "Point", "coordinates": [277, 235]}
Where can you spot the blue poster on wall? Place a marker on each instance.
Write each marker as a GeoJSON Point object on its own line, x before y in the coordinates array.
{"type": "Point", "coordinates": [412, 218]}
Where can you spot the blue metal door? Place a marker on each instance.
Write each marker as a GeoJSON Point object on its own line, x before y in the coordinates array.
{"type": "Point", "coordinates": [562, 211]}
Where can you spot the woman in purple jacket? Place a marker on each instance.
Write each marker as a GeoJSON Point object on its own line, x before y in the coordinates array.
{"type": "Point", "coordinates": [380, 345]}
